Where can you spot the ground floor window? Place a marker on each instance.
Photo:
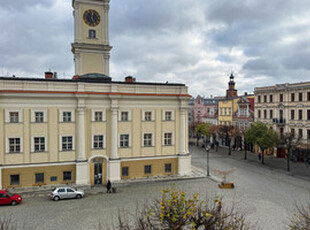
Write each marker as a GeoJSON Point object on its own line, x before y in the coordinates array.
{"type": "Point", "coordinates": [53, 178]}
{"type": "Point", "coordinates": [39, 178]}
{"type": "Point", "coordinates": [14, 179]}
{"type": "Point", "coordinates": [167, 168]}
{"type": "Point", "coordinates": [125, 171]}
{"type": "Point", "coordinates": [147, 169]}
{"type": "Point", "coordinates": [67, 175]}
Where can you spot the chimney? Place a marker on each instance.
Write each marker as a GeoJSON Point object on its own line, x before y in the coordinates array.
{"type": "Point", "coordinates": [130, 79]}
{"type": "Point", "coordinates": [246, 93]}
{"type": "Point", "coordinates": [49, 75]}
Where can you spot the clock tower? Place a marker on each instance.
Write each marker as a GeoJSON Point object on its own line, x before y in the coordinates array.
{"type": "Point", "coordinates": [91, 47]}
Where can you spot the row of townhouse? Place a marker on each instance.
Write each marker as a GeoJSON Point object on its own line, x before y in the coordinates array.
{"type": "Point", "coordinates": [286, 108]}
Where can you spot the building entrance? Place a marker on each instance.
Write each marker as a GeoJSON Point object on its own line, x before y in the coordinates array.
{"type": "Point", "coordinates": [98, 173]}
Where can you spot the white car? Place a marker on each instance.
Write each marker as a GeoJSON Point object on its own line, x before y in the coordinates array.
{"type": "Point", "coordinates": [66, 193]}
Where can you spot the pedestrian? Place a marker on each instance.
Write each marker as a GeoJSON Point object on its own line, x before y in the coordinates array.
{"type": "Point", "coordinates": [259, 157]}
{"type": "Point", "coordinates": [216, 146]}
{"type": "Point", "coordinates": [109, 186]}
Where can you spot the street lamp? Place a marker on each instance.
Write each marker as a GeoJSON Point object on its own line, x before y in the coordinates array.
{"type": "Point", "coordinates": [208, 168]}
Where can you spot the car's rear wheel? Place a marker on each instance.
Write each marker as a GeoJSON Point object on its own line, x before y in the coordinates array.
{"type": "Point", "coordinates": [56, 198]}
{"type": "Point", "coordinates": [14, 202]}
{"type": "Point", "coordinates": [78, 196]}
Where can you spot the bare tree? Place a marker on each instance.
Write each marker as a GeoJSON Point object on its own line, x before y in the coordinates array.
{"type": "Point", "coordinates": [290, 141]}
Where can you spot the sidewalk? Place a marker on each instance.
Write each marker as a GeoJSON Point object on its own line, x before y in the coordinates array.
{"type": "Point", "coordinates": [43, 191]}
{"type": "Point", "coordinates": [297, 169]}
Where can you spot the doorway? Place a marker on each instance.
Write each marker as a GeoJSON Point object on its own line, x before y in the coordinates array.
{"type": "Point", "coordinates": [98, 173]}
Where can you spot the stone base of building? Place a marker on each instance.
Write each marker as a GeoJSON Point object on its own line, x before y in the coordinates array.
{"type": "Point", "coordinates": [95, 171]}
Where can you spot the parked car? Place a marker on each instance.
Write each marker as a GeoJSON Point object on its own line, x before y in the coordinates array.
{"type": "Point", "coordinates": [66, 193]}
{"type": "Point", "coordinates": [9, 198]}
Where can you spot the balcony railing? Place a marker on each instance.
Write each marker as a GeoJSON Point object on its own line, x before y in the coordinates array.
{"type": "Point", "coordinates": [278, 120]}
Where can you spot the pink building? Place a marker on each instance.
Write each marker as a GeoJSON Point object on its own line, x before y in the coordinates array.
{"type": "Point", "coordinates": [201, 110]}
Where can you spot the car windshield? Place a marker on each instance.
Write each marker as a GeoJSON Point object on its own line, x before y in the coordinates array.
{"type": "Point", "coordinates": [10, 194]}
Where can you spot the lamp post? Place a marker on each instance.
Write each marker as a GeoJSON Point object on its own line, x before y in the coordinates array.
{"type": "Point", "coordinates": [208, 168]}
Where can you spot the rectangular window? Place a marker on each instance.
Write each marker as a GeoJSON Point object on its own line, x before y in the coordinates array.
{"type": "Point", "coordinates": [39, 117]}
{"type": "Point", "coordinates": [124, 116]}
{"type": "Point", "coordinates": [67, 175]}
{"type": "Point", "coordinates": [308, 96]}
{"type": "Point", "coordinates": [281, 97]}
{"type": "Point", "coordinates": [167, 168]}
{"type": "Point", "coordinates": [147, 169]}
{"type": "Point", "coordinates": [67, 143]}
{"type": "Point", "coordinates": [271, 114]}
{"type": "Point", "coordinates": [300, 114]}
{"type": "Point", "coordinates": [265, 114]}
{"type": "Point", "coordinates": [67, 116]}
{"type": "Point", "coordinates": [259, 114]}
{"type": "Point", "coordinates": [125, 171]}
{"type": "Point", "coordinates": [229, 111]}
{"type": "Point", "coordinates": [292, 96]}
{"type": "Point", "coordinates": [148, 116]}
{"type": "Point", "coordinates": [300, 96]}
{"type": "Point", "coordinates": [53, 178]}
{"type": "Point", "coordinates": [168, 116]}
{"type": "Point", "coordinates": [13, 117]}
{"type": "Point", "coordinates": [258, 99]}
{"type": "Point", "coordinates": [292, 132]}
{"type": "Point", "coordinates": [124, 141]}
{"type": "Point", "coordinates": [98, 142]}
{"type": "Point", "coordinates": [147, 140]}
{"type": "Point", "coordinates": [300, 133]}
{"type": "Point", "coordinates": [39, 144]}
{"type": "Point", "coordinates": [308, 134]}
{"type": "Point", "coordinates": [265, 98]}
{"type": "Point", "coordinates": [14, 145]}
{"type": "Point", "coordinates": [14, 179]}
{"type": "Point", "coordinates": [292, 114]}
{"type": "Point", "coordinates": [168, 139]}
{"type": "Point", "coordinates": [271, 98]}
{"type": "Point", "coordinates": [92, 34]}
{"type": "Point", "coordinates": [39, 178]}
{"type": "Point", "coordinates": [225, 111]}
{"type": "Point", "coordinates": [308, 114]}
{"type": "Point", "coordinates": [98, 116]}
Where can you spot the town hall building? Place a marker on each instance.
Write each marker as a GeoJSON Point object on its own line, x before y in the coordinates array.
{"type": "Point", "coordinates": [89, 129]}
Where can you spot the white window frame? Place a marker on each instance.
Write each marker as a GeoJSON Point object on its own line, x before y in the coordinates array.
{"type": "Point", "coordinates": [119, 140]}
{"type": "Point", "coordinates": [7, 146]}
{"type": "Point", "coordinates": [152, 139]}
{"type": "Point", "coordinates": [120, 115]}
{"type": "Point", "coordinates": [33, 115]}
{"type": "Point", "coordinates": [93, 141]}
{"type": "Point", "coordinates": [33, 144]}
{"type": "Point", "coordinates": [152, 115]}
{"type": "Point", "coordinates": [172, 138]}
{"type": "Point", "coordinates": [73, 142]}
{"type": "Point", "coordinates": [61, 111]}
{"type": "Point", "coordinates": [7, 115]}
{"type": "Point", "coordinates": [172, 115]}
{"type": "Point", "coordinates": [93, 117]}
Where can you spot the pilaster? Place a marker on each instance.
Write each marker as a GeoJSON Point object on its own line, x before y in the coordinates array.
{"type": "Point", "coordinates": [114, 139]}
{"type": "Point", "coordinates": [82, 173]}
{"type": "Point", "coordinates": [184, 165]}
{"type": "Point", "coordinates": [182, 130]}
{"type": "Point", "coordinates": [114, 170]}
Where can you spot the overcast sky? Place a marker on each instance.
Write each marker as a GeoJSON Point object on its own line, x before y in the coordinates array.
{"type": "Point", "coordinates": [196, 42]}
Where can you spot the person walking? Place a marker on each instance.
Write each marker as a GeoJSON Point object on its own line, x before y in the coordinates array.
{"type": "Point", "coordinates": [109, 186]}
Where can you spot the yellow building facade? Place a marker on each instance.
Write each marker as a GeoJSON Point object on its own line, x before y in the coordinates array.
{"type": "Point", "coordinates": [89, 129]}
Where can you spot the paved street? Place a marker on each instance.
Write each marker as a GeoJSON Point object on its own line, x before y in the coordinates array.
{"type": "Point", "coordinates": [266, 195]}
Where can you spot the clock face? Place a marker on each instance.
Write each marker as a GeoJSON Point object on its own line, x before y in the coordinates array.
{"type": "Point", "coordinates": [91, 17]}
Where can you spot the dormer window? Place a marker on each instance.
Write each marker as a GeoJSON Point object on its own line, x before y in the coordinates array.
{"type": "Point", "coordinates": [92, 34]}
